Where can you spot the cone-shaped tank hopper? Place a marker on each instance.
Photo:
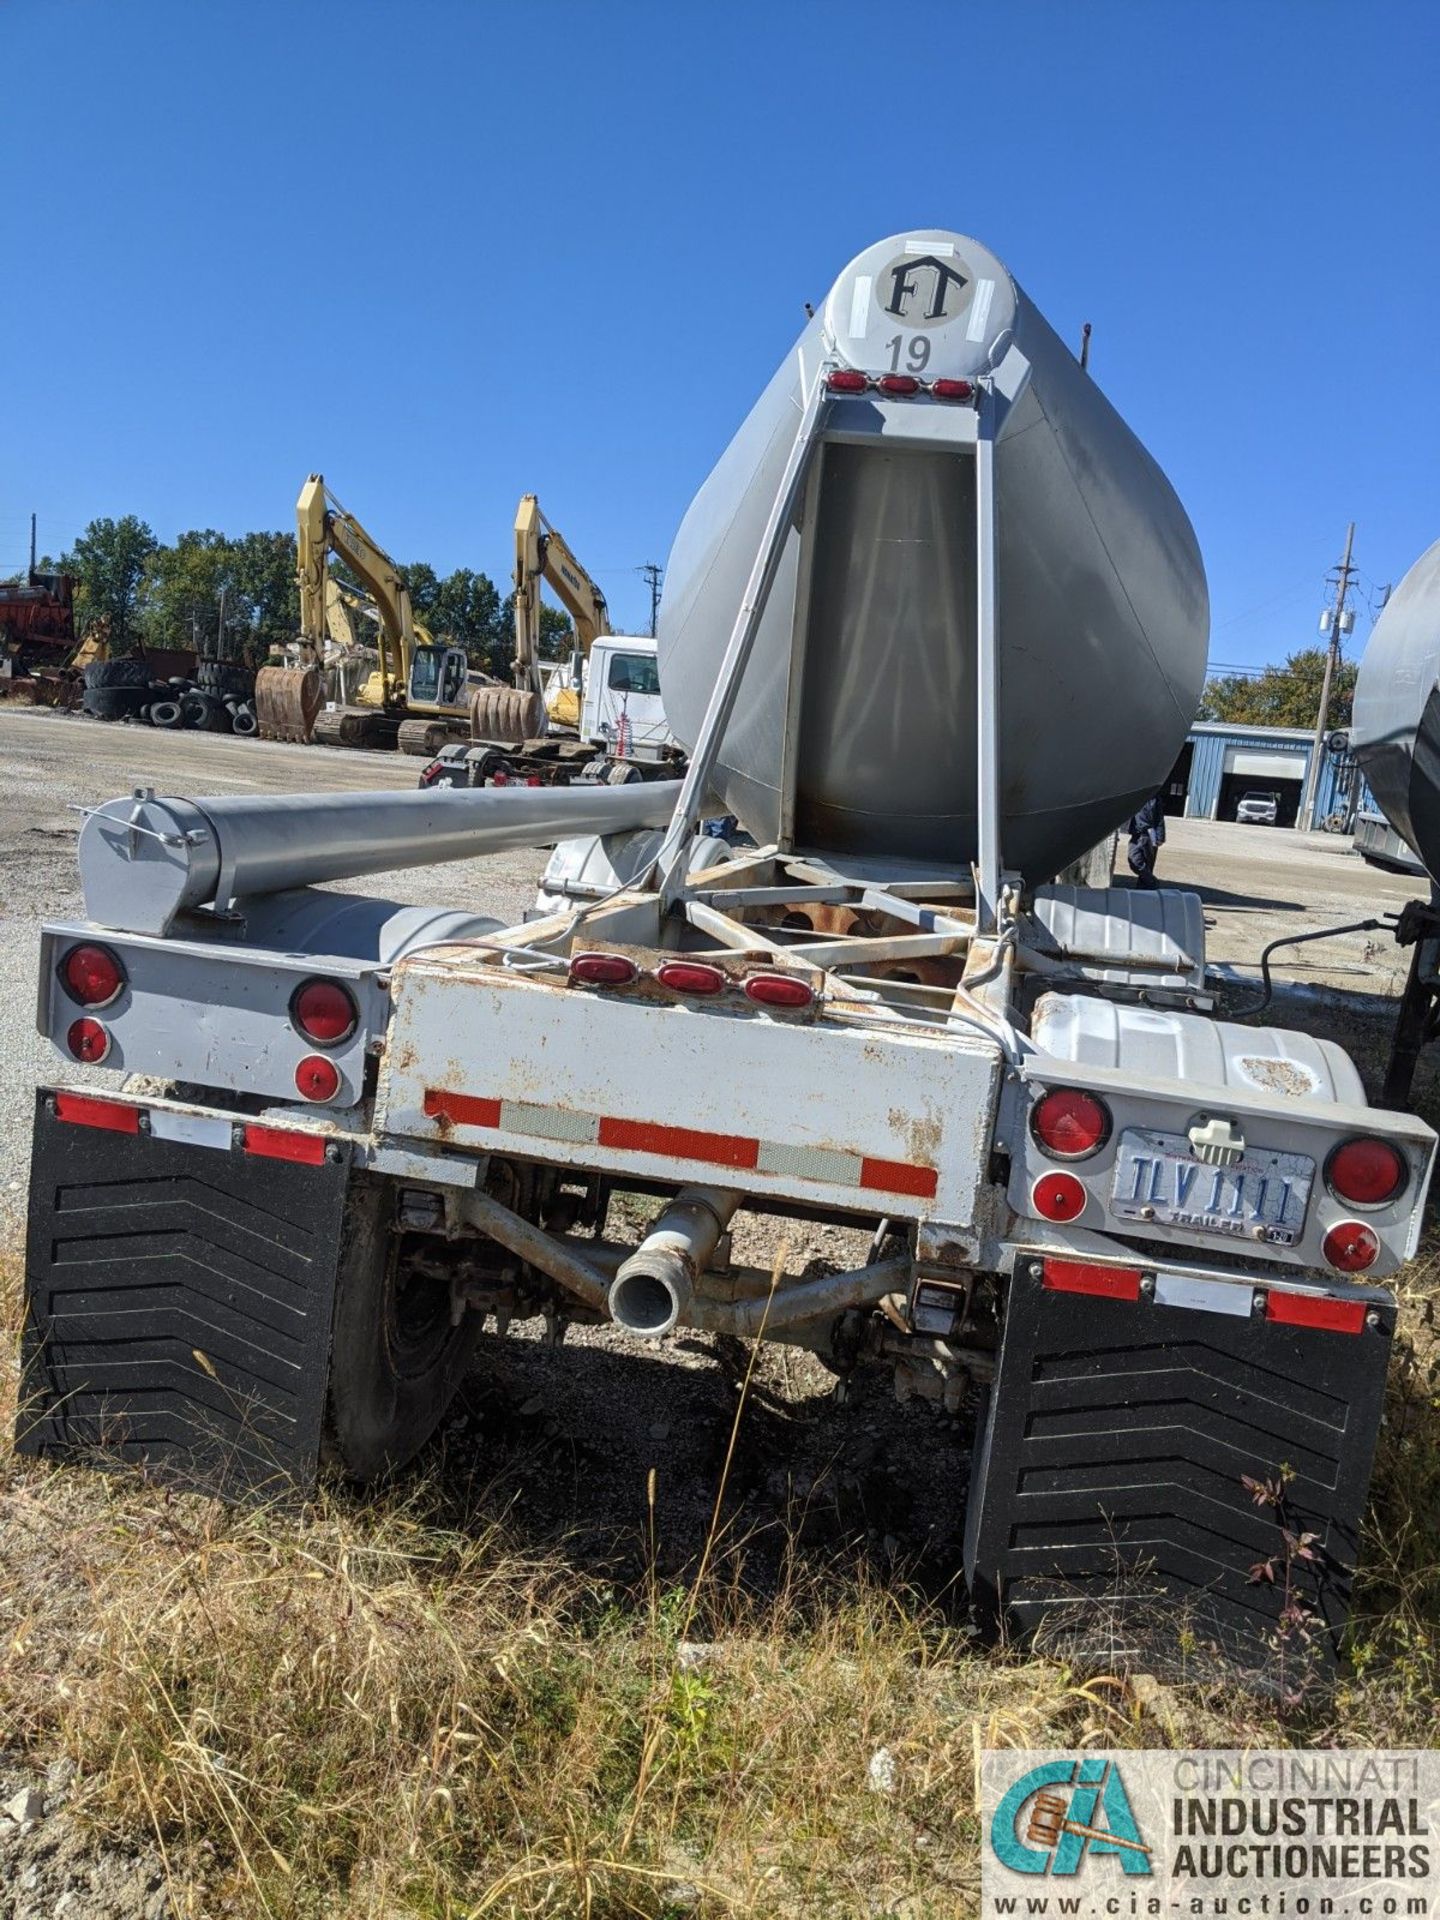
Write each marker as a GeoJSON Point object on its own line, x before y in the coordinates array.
{"type": "Point", "coordinates": [855, 729]}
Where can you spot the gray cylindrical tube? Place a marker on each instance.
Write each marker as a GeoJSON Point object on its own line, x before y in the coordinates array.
{"type": "Point", "coordinates": [144, 859]}
{"type": "Point", "coordinates": [652, 1290]}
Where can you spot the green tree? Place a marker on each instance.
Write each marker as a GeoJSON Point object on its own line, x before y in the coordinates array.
{"type": "Point", "coordinates": [109, 561]}
{"type": "Point", "coordinates": [1287, 696]}
{"type": "Point", "coordinates": [467, 610]}
{"type": "Point", "coordinates": [182, 590]}
{"type": "Point", "coordinates": [266, 588]}
{"type": "Point", "coordinates": [424, 584]}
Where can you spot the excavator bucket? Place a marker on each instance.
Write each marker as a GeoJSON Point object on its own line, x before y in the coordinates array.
{"type": "Point", "coordinates": [506, 715]}
{"type": "Point", "coordinates": [287, 700]}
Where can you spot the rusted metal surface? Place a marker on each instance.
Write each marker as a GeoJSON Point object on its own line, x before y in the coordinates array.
{"type": "Point", "coordinates": [287, 699]}
{"type": "Point", "coordinates": [826, 1112]}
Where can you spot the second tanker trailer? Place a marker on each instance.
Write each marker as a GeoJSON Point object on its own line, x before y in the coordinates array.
{"type": "Point", "coordinates": [934, 625]}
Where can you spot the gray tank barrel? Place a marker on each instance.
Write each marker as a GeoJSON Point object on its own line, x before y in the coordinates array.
{"type": "Point", "coordinates": [146, 859]}
{"type": "Point", "coordinates": [855, 726]}
{"type": "Point", "coordinates": [1395, 733]}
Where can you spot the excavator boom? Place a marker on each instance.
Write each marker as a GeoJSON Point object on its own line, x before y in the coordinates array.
{"type": "Point", "coordinates": [541, 553]}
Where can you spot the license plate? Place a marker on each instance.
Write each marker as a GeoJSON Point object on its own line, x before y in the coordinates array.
{"type": "Point", "coordinates": [1263, 1196]}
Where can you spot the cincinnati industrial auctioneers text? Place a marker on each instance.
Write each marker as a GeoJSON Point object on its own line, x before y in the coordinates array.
{"type": "Point", "coordinates": [1305, 1835]}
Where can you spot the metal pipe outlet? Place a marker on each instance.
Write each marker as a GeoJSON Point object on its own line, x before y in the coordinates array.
{"type": "Point", "coordinates": [146, 859]}
{"type": "Point", "coordinates": [652, 1290]}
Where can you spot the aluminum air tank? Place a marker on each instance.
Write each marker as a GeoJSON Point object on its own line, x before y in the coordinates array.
{"type": "Point", "coordinates": [1395, 733]}
{"type": "Point", "coordinates": [855, 728]}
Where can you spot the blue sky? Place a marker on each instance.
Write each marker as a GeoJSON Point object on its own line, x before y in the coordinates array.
{"type": "Point", "coordinates": [447, 252]}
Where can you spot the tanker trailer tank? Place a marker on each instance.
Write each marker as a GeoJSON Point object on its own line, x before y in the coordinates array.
{"type": "Point", "coordinates": [861, 727]}
{"type": "Point", "coordinates": [1395, 737]}
{"type": "Point", "coordinates": [1395, 732]}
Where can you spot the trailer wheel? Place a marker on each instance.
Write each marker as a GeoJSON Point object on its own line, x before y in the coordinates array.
{"type": "Point", "coordinates": [395, 1358]}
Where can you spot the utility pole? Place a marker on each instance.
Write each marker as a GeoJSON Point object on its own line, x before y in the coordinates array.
{"type": "Point", "coordinates": [31, 575]}
{"type": "Point", "coordinates": [1322, 719]}
{"type": "Point", "coordinates": [653, 574]}
{"type": "Point", "coordinates": [220, 629]}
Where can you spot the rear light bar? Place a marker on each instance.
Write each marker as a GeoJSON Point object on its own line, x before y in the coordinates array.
{"type": "Point", "coordinates": [304, 1148]}
{"type": "Point", "coordinates": [789, 992]}
{"type": "Point", "coordinates": [896, 385]}
{"type": "Point", "coordinates": [1321, 1311]}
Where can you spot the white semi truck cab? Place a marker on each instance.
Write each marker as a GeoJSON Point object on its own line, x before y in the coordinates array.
{"type": "Point", "coordinates": [1143, 1248]}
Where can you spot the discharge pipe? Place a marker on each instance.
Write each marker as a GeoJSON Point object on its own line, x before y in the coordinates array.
{"type": "Point", "coordinates": [145, 860]}
{"type": "Point", "coordinates": [652, 1290]}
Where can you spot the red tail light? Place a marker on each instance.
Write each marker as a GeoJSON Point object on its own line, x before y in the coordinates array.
{"type": "Point", "coordinates": [1315, 1310]}
{"type": "Point", "coordinates": [89, 1041]}
{"type": "Point", "coordinates": [325, 1012]}
{"type": "Point", "coordinates": [778, 990]}
{"type": "Point", "coordinates": [901, 383]}
{"type": "Point", "coordinates": [317, 1078]}
{"type": "Point", "coordinates": [1070, 1125]}
{"type": "Point", "coordinates": [691, 976]}
{"type": "Point", "coordinates": [92, 975]}
{"type": "Point", "coordinates": [1366, 1172]}
{"type": "Point", "coordinates": [1058, 1196]}
{"type": "Point", "coordinates": [1088, 1276]}
{"type": "Point", "coordinates": [1351, 1247]}
{"type": "Point", "coordinates": [846, 380]}
{"type": "Point", "coordinates": [951, 389]}
{"type": "Point", "coordinates": [602, 970]}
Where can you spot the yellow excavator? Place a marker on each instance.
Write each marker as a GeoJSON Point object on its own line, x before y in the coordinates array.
{"type": "Point", "coordinates": [419, 696]}
{"type": "Point", "coordinates": [542, 554]}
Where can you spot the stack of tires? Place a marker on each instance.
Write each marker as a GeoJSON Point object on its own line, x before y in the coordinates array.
{"type": "Point", "coordinates": [220, 699]}
{"type": "Point", "coordinates": [116, 689]}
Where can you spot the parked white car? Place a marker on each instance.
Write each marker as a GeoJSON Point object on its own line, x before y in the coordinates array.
{"type": "Point", "coordinates": [1258, 809]}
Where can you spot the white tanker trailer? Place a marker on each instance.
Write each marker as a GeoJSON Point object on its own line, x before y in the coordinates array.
{"type": "Point", "coordinates": [934, 625]}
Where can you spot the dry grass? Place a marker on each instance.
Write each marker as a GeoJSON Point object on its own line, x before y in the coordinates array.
{"type": "Point", "coordinates": [392, 1709]}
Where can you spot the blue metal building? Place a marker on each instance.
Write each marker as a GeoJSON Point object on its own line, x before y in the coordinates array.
{"type": "Point", "coordinates": [1221, 762]}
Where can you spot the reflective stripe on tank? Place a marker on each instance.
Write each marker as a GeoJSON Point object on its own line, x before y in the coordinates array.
{"type": "Point", "coordinates": [827, 1165]}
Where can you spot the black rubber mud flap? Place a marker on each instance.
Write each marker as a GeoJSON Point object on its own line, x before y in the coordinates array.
{"type": "Point", "coordinates": [1110, 1513]}
{"type": "Point", "coordinates": [178, 1302]}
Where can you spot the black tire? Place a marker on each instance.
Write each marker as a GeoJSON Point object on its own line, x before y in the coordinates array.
{"type": "Point", "coordinates": [166, 713]}
{"type": "Point", "coordinates": [113, 703]}
{"type": "Point", "coordinates": [219, 676]}
{"type": "Point", "coordinates": [395, 1359]}
{"type": "Point", "coordinates": [205, 713]}
{"type": "Point", "coordinates": [117, 673]}
{"type": "Point", "coordinates": [246, 725]}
